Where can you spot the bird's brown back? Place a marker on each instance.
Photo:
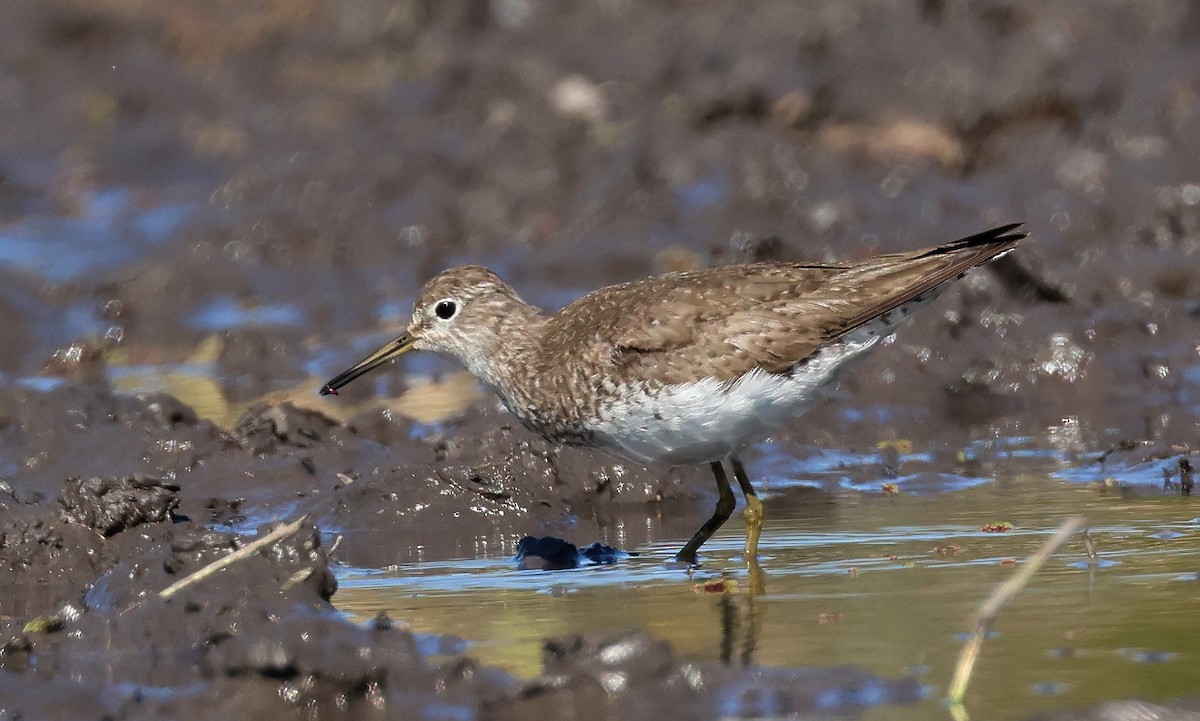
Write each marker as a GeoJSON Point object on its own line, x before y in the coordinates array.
{"type": "Point", "coordinates": [724, 322]}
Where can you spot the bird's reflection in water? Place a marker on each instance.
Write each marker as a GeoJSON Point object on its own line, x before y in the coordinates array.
{"type": "Point", "coordinates": [741, 615]}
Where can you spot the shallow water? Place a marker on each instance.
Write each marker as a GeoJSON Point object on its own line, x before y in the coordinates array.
{"type": "Point", "coordinates": [848, 574]}
{"type": "Point", "coordinates": [887, 582]}
{"type": "Point", "coordinates": [233, 221]}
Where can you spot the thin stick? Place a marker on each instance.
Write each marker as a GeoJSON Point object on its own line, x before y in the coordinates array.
{"type": "Point", "coordinates": [1089, 545]}
{"type": "Point", "coordinates": [304, 573]}
{"type": "Point", "coordinates": [298, 576]}
{"type": "Point", "coordinates": [244, 552]}
{"type": "Point", "coordinates": [991, 607]}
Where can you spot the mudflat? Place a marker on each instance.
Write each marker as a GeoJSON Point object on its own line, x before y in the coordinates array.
{"type": "Point", "coordinates": [207, 209]}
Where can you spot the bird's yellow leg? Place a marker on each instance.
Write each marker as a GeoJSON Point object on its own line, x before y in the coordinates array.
{"type": "Point", "coordinates": [752, 513]}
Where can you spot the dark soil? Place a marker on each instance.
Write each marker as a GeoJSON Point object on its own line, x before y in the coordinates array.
{"type": "Point", "coordinates": [276, 180]}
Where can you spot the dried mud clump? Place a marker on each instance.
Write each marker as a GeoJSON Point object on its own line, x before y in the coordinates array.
{"type": "Point", "coordinates": [111, 505]}
{"type": "Point", "coordinates": [263, 428]}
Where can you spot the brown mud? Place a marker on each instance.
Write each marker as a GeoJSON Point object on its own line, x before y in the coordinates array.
{"type": "Point", "coordinates": [234, 201]}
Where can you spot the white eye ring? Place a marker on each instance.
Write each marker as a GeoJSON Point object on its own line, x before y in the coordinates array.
{"type": "Point", "coordinates": [446, 308]}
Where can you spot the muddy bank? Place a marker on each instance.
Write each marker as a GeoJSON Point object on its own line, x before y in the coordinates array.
{"type": "Point", "coordinates": [206, 208]}
{"type": "Point", "coordinates": [480, 475]}
{"type": "Point", "coordinates": [286, 193]}
{"type": "Point", "coordinates": [89, 631]}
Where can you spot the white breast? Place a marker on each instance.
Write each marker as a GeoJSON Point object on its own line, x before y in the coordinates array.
{"type": "Point", "coordinates": [709, 420]}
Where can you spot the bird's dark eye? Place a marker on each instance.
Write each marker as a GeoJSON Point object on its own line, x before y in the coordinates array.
{"type": "Point", "coordinates": [445, 309]}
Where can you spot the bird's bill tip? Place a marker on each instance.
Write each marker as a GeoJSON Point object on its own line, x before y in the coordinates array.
{"type": "Point", "coordinates": [393, 349]}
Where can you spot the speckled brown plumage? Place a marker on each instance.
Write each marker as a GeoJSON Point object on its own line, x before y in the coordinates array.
{"type": "Point", "coordinates": [684, 367]}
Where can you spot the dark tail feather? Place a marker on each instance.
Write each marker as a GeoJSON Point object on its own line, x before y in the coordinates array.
{"type": "Point", "coordinates": [995, 236]}
{"type": "Point", "coordinates": [929, 269]}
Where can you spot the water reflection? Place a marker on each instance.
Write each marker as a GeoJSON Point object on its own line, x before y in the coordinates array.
{"type": "Point", "coordinates": [741, 614]}
{"type": "Point", "coordinates": [863, 580]}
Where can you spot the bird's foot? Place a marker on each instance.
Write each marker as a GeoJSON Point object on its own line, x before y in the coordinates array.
{"type": "Point", "coordinates": [753, 515]}
{"type": "Point", "coordinates": [684, 562]}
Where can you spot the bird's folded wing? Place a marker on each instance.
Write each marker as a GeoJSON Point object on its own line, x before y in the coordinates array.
{"type": "Point", "coordinates": [674, 310]}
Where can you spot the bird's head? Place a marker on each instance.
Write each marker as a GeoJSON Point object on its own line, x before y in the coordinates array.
{"type": "Point", "coordinates": [466, 312]}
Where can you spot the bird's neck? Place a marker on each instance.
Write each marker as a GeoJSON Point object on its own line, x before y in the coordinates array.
{"type": "Point", "coordinates": [514, 346]}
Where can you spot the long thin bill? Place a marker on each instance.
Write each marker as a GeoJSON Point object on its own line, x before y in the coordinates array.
{"type": "Point", "coordinates": [397, 347]}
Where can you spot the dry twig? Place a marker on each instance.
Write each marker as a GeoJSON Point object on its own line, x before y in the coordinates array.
{"type": "Point", "coordinates": [991, 608]}
{"type": "Point", "coordinates": [244, 552]}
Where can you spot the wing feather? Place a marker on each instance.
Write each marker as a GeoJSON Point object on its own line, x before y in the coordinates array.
{"type": "Point", "coordinates": [724, 322]}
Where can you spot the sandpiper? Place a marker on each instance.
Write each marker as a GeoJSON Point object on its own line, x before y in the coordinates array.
{"type": "Point", "coordinates": [687, 367]}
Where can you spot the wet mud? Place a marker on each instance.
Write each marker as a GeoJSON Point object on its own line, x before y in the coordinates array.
{"type": "Point", "coordinates": [208, 209]}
